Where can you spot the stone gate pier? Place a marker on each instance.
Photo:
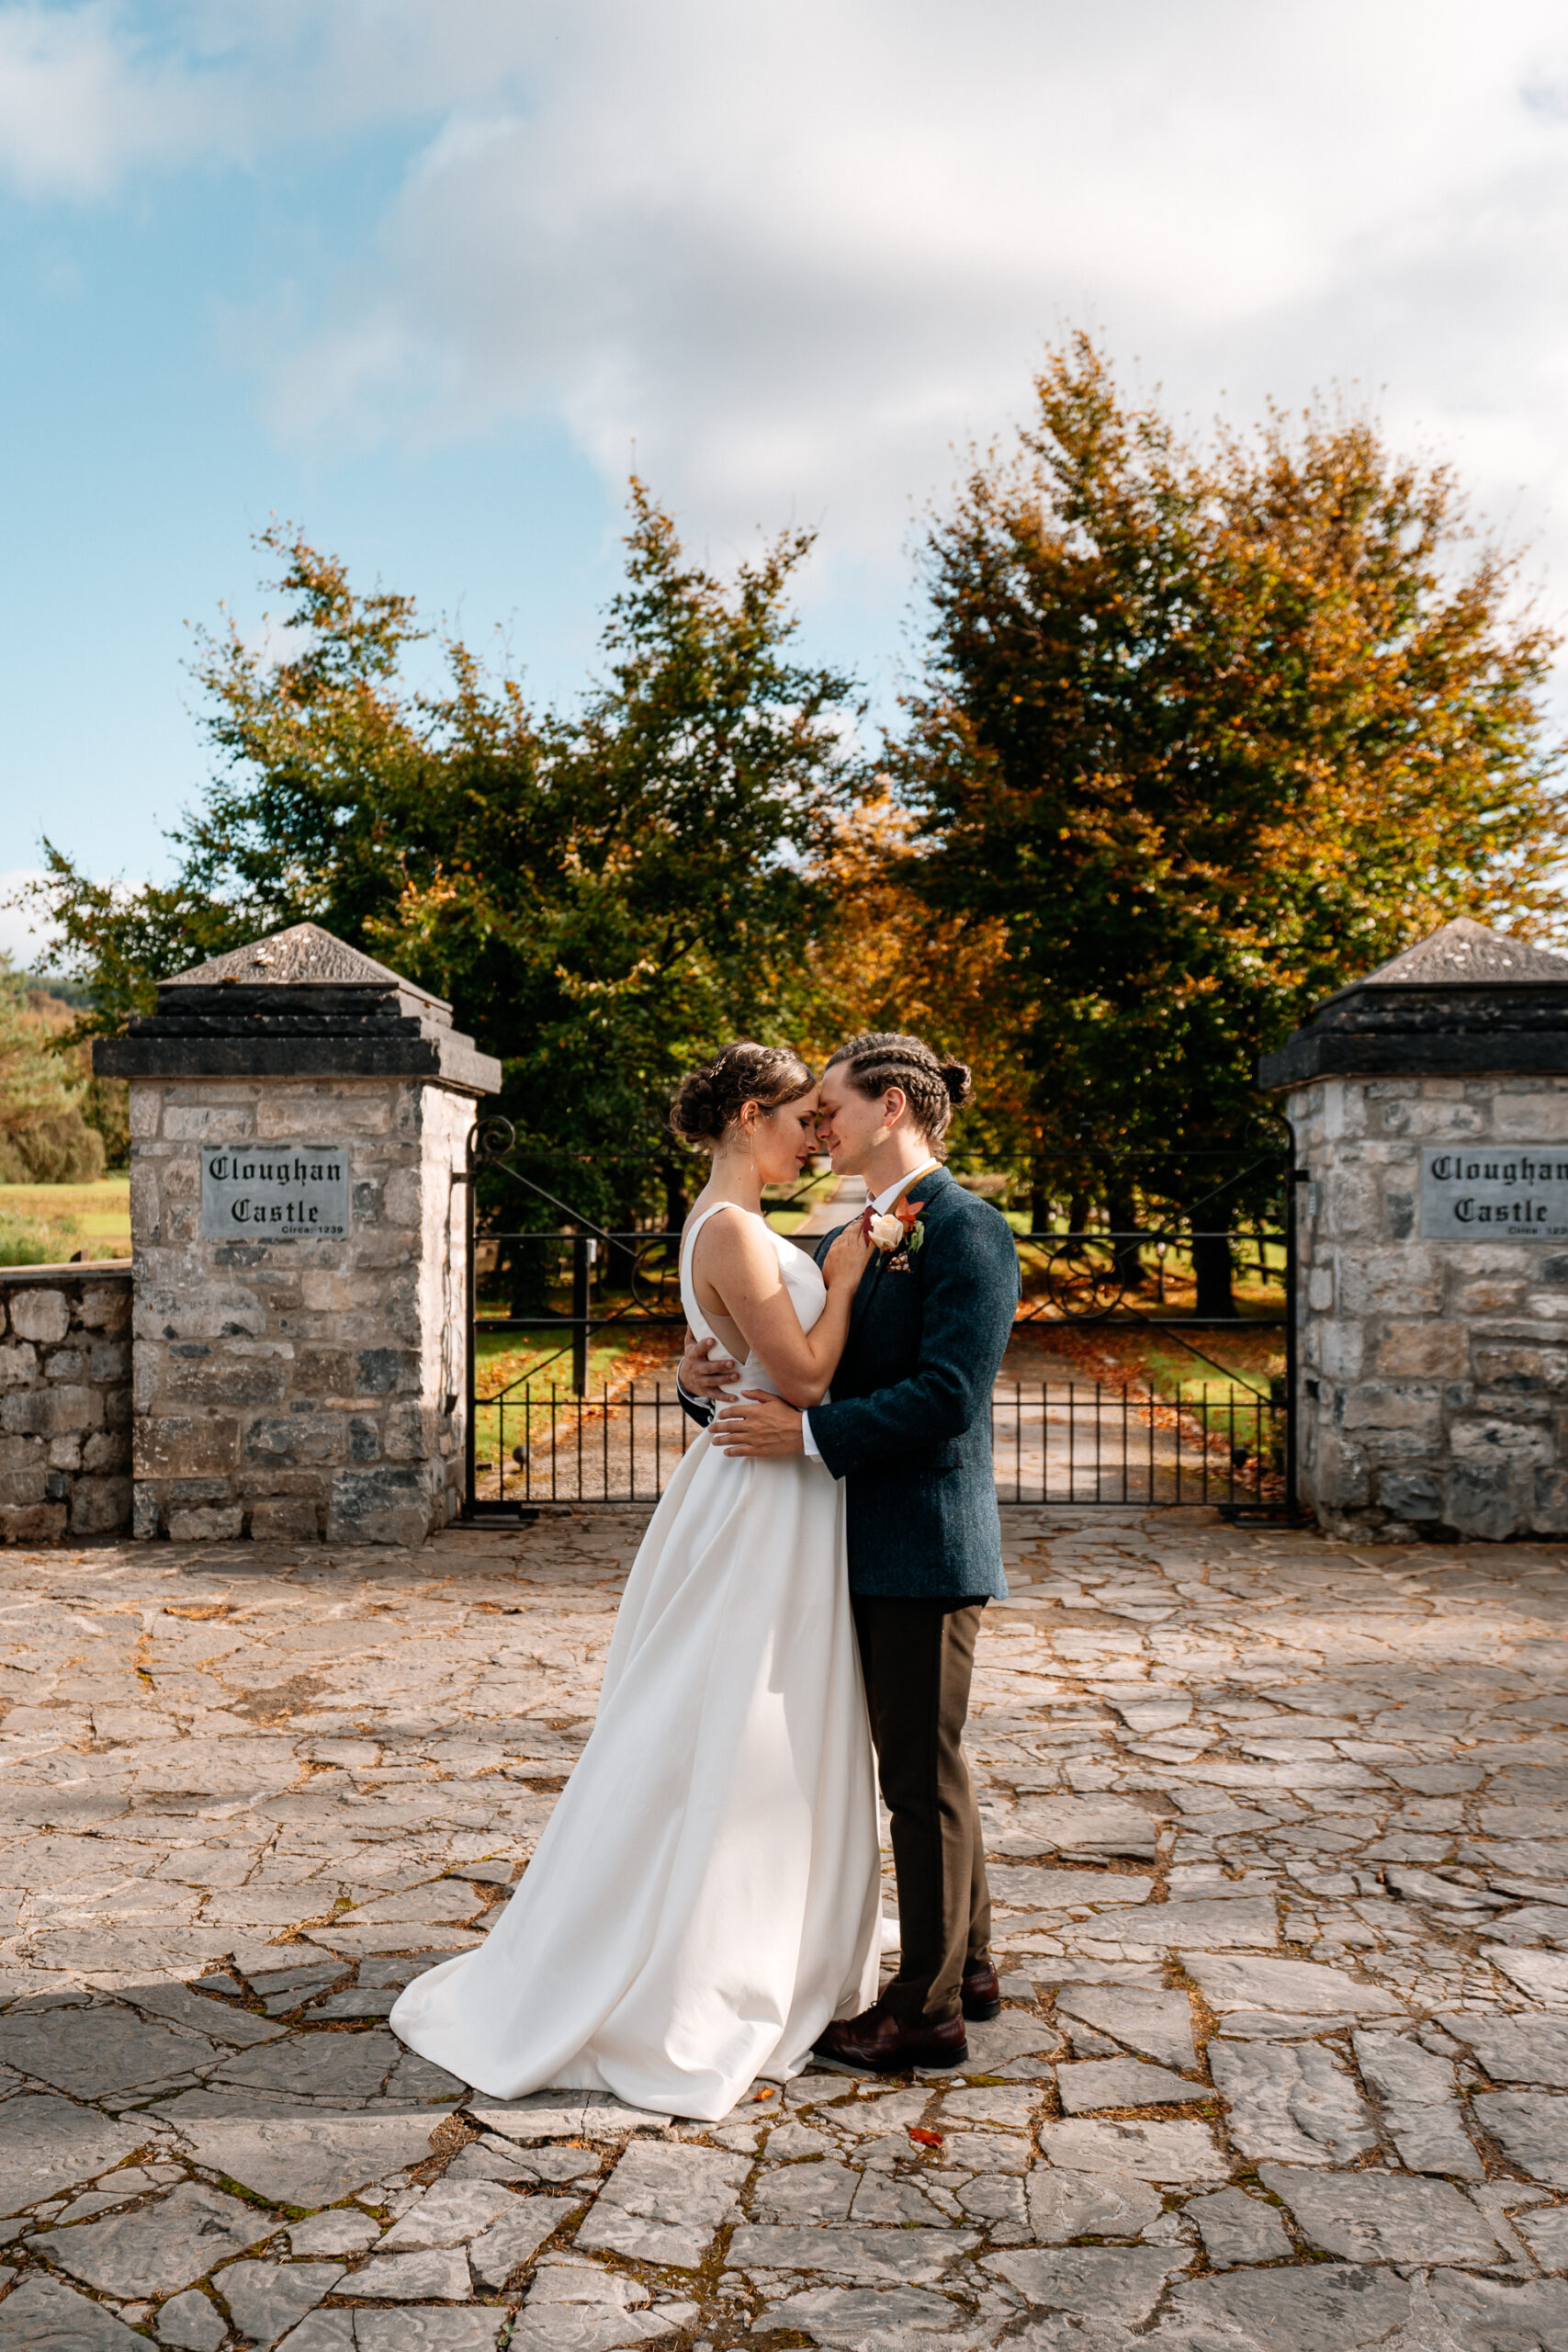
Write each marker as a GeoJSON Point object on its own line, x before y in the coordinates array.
{"type": "Point", "coordinates": [299, 1119]}
{"type": "Point", "coordinates": [1430, 1105]}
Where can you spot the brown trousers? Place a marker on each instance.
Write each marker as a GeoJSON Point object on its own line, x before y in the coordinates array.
{"type": "Point", "coordinates": [918, 1658]}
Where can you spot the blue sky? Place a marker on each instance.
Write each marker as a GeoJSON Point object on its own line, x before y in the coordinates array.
{"type": "Point", "coordinates": [427, 277]}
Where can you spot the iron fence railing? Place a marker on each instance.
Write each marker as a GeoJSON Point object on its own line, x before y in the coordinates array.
{"type": "Point", "coordinates": [1093, 1442]}
{"type": "Point", "coordinates": [1052, 1441]}
{"type": "Point", "coordinates": [538, 1433]}
{"type": "Point", "coordinates": [549, 1445]}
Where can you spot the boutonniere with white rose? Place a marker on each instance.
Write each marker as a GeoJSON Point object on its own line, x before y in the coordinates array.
{"type": "Point", "coordinates": [897, 1232]}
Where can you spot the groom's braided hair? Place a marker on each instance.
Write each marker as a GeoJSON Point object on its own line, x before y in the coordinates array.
{"type": "Point", "coordinates": [711, 1097]}
{"type": "Point", "coordinates": [886, 1057]}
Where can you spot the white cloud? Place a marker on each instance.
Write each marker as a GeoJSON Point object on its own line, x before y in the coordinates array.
{"type": "Point", "coordinates": [79, 103]}
{"type": "Point", "coordinates": [91, 92]}
{"type": "Point", "coordinates": [790, 256]}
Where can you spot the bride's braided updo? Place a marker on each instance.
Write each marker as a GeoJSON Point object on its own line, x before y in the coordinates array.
{"type": "Point", "coordinates": [886, 1057]}
{"type": "Point", "coordinates": [707, 1101]}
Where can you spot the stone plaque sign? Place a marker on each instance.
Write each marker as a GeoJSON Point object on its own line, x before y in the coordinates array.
{"type": "Point", "coordinates": [295, 1191]}
{"type": "Point", "coordinates": [1495, 1192]}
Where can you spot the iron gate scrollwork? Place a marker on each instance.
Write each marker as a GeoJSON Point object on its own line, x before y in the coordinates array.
{"type": "Point", "coordinates": [1088, 1410]}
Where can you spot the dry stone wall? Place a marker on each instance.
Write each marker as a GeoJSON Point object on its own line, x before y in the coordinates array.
{"type": "Point", "coordinates": [1433, 1394]}
{"type": "Point", "coordinates": [64, 1402]}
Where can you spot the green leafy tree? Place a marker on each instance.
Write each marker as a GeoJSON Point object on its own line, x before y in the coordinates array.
{"type": "Point", "coordinates": [1210, 729]}
{"type": "Point", "coordinates": [605, 894]}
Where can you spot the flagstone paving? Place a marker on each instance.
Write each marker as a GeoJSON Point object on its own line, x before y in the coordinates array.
{"type": "Point", "coordinates": [1280, 1834]}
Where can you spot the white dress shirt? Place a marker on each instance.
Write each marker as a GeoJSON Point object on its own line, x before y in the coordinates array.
{"type": "Point", "coordinates": [884, 1201]}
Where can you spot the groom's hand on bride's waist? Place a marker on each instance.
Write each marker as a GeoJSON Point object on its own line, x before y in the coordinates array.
{"type": "Point", "coordinates": [702, 1374]}
{"type": "Point", "coordinates": [757, 1422]}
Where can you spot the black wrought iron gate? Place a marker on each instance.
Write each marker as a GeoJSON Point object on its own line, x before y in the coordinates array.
{"type": "Point", "coordinates": [1123, 1384]}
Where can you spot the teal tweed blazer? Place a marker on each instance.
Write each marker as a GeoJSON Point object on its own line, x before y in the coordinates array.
{"type": "Point", "coordinates": [909, 1430]}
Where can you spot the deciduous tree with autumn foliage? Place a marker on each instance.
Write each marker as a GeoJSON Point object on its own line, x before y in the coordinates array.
{"type": "Point", "coordinates": [881, 956]}
{"type": "Point", "coordinates": [1211, 725]}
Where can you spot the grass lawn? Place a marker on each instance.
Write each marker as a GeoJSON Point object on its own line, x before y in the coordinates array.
{"type": "Point", "coordinates": [526, 1365]}
{"type": "Point", "coordinates": [507, 1359]}
{"type": "Point", "coordinates": [43, 1224]}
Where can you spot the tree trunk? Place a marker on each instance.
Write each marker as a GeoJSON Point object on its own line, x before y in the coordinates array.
{"type": "Point", "coordinates": [1123, 1206]}
{"type": "Point", "coordinates": [616, 1265]}
{"type": "Point", "coordinates": [527, 1264]}
{"type": "Point", "coordinates": [676, 1204]}
{"type": "Point", "coordinates": [1213, 1266]}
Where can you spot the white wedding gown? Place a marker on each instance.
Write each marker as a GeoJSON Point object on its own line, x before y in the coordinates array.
{"type": "Point", "coordinates": [706, 1894]}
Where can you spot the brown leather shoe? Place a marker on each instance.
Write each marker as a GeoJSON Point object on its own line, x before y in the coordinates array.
{"type": "Point", "coordinates": [981, 1991]}
{"type": "Point", "coordinates": [877, 2043]}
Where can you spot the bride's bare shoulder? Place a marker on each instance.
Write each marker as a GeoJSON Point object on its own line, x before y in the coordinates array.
{"type": "Point", "coordinates": [740, 1239]}
{"type": "Point", "coordinates": [713, 1231]}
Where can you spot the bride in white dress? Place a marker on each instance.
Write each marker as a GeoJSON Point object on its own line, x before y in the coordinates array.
{"type": "Point", "coordinates": [706, 1894]}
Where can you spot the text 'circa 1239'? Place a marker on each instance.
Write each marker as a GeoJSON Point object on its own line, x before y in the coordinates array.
{"type": "Point", "coordinates": [1518, 1191]}
{"type": "Point", "coordinates": [284, 1193]}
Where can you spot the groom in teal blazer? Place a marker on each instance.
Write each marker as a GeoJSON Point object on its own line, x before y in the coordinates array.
{"type": "Point", "coordinates": [908, 1430]}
